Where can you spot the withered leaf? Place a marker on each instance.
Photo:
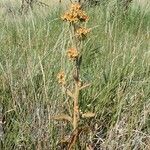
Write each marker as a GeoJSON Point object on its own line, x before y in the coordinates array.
{"type": "Point", "coordinates": [88, 115]}
{"type": "Point", "coordinates": [85, 86]}
{"type": "Point", "coordinates": [62, 117]}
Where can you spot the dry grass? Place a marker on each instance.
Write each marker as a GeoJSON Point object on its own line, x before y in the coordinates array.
{"type": "Point", "coordinates": [115, 62]}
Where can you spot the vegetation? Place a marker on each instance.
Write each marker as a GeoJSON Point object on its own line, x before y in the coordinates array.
{"type": "Point", "coordinates": [76, 18]}
{"type": "Point", "coordinates": [115, 61]}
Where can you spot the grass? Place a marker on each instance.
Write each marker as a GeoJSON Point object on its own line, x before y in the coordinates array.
{"type": "Point", "coordinates": [116, 63]}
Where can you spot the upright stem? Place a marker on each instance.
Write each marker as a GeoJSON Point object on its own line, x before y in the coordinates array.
{"type": "Point", "coordinates": [76, 107]}
{"type": "Point", "coordinates": [76, 79]}
{"type": "Point", "coordinates": [76, 95]}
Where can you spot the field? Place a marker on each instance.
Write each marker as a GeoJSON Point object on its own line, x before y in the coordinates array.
{"type": "Point", "coordinates": [116, 62]}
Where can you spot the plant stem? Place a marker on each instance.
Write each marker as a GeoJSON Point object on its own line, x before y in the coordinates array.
{"type": "Point", "coordinates": [76, 78]}
{"type": "Point", "coordinates": [76, 106]}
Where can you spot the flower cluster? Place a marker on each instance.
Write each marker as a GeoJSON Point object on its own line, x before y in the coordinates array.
{"type": "Point", "coordinates": [61, 78]}
{"type": "Point", "coordinates": [75, 14]}
{"type": "Point", "coordinates": [75, 7]}
{"type": "Point", "coordinates": [72, 53]}
{"type": "Point", "coordinates": [82, 32]}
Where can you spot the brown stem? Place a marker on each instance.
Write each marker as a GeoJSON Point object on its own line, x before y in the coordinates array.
{"type": "Point", "coordinates": [76, 95]}
{"type": "Point", "coordinates": [76, 79]}
{"type": "Point", "coordinates": [76, 107]}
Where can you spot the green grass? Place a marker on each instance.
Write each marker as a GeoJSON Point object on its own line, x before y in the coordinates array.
{"type": "Point", "coordinates": [116, 61]}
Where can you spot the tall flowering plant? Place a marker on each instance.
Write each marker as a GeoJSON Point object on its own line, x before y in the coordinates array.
{"type": "Point", "coordinates": [76, 17]}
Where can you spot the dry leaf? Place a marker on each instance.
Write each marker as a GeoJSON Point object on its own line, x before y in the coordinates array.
{"type": "Point", "coordinates": [88, 115]}
{"type": "Point", "coordinates": [84, 86]}
{"type": "Point", "coordinates": [68, 92]}
{"type": "Point", "coordinates": [62, 117]}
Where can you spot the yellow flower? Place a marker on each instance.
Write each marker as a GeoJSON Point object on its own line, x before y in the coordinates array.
{"type": "Point", "coordinates": [61, 78]}
{"type": "Point", "coordinates": [72, 53]}
{"type": "Point", "coordinates": [82, 32]}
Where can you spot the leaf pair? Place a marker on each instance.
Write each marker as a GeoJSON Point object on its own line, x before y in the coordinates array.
{"type": "Point", "coordinates": [64, 117]}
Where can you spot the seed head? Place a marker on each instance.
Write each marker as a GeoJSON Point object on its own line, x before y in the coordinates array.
{"type": "Point", "coordinates": [75, 7]}
{"type": "Point", "coordinates": [61, 78]}
{"type": "Point", "coordinates": [75, 14]}
{"type": "Point", "coordinates": [82, 32]}
{"type": "Point", "coordinates": [72, 53]}
{"type": "Point", "coordinates": [82, 16]}
{"type": "Point", "coordinates": [70, 17]}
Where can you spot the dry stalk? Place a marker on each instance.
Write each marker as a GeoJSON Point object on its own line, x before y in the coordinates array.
{"type": "Point", "coordinates": [77, 19]}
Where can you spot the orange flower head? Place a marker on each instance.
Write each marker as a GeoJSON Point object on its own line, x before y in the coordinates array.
{"type": "Point", "coordinates": [82, 16]}
{"type": "Point", "coordinates": [72, 53]}
{"type": "Point", "coordinates": [75, 7]}
{"type": "Point", "coordinates": [70, 17]}
{"type": "Point", "coordinates": [61, 78]}
{"type": "Point", "coordinates": [75, 14]}
{"type": "Point", "coordinates": [82, 32]}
